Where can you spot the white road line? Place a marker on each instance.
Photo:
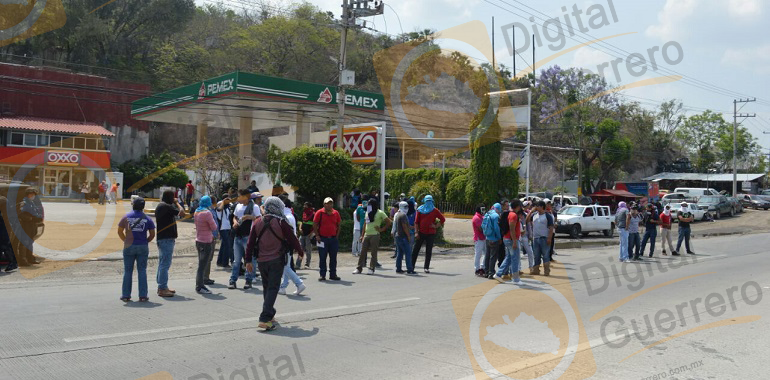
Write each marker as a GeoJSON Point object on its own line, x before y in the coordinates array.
{"type": "Point", "coordinates": [230, 322]}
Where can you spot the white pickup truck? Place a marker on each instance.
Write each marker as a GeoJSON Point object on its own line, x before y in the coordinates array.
{"type": "Point", "coordinates": [577, 220]}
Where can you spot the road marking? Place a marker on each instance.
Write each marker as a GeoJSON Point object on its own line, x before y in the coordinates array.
{"type": "Point", "coordinates": [230, 322]}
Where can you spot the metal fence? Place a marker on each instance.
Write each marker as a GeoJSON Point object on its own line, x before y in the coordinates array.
{"type": "Point", "coordinates": [456, 208]}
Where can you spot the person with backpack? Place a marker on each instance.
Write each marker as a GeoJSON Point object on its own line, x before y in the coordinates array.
{"type": "Point", "coordinates": [306, 238]}
{"type": "Point", "coordinates": [490, 225]}
{"type": "Point", "coordinates": [428, 220]}
{"type": "Point", "coordinates": [270, 238]}
{"type": "Point", "coordinates": [377, 222]}
{"type": "Point", "coordinates": [224, 214]}
{"type": "Point", "coordinates": [243, 216]}
{"type": "Point", "coordinates": [542, 230]}
{"type": "Point", "coordinates": [206, 232]}
{"type": "Point", "coordinates": [326, 227]}
{"type": "Point", "coordinates": [141, 231]}
{"type": "Point", "coordinates": [512, 260]}
{"type": "Point", "coordinates": [288, 272]}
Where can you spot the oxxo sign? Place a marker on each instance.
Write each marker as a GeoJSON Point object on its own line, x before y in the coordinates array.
{"type": "Point", "coordinates": [62, 158]}
{"type": "Point", "coordinates": [361, 142]}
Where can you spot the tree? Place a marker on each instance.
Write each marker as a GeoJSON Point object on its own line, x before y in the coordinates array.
{"type": "Point", "coordinates": [485, 144]}
{"type": "Point", "coordinates": [746, 144]}
{"type": "Point", "coordinates": [316, 173]}
{"type": "Point", "coordinates": [699, 134]}
{"type": "Point", "coordinates": [151, 172]}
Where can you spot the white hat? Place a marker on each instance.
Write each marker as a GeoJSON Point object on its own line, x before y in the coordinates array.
{"type": "Point", "coordinates": [328, 200]}
{"type": "Point", "coordinates": [546, 200]}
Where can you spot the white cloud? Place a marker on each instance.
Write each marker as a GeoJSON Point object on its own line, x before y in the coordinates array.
{"type": "Point", "coordinates": [671, 19]}
{"type": "Point", "coordinates": [589, 58]}
{"type": "Point", "coordinates": [756, 59]}
{"type": "Point", "coordinates": [744, 9]}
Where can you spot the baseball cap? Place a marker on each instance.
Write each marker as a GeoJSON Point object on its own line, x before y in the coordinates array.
{"type": "Point", "coordinates": [328, 200]}
{"type": "Point", "coordinates": [526, 203]}
{"type": "Point", "coordinates": [256, 195]}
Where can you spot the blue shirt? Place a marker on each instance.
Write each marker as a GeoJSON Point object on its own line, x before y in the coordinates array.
{"type": "Point", "coordinates": [138, 223]}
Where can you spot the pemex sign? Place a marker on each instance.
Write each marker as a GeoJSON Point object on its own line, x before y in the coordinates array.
{"type": "Point", "coordinates": [362, 142]}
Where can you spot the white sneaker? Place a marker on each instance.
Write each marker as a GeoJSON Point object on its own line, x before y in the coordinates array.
{"type": "Point", "coordinates": [499, 279]}
{"type": "Point", "coordinates": [203, 290]}
{"type": "Point", "coordinates": [282, 291]}
{"type": "Point", "coordinates": [357, 271]}
{"type": "Point", "coordinates": [517, 282]}
{"type": "Point", "coordinates": [371, 271]}
{"type": "Point", "coordinates": [300, 289]}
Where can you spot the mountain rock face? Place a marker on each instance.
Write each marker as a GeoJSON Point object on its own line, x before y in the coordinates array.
{"type": "Point", "coordinates": [446, 93]}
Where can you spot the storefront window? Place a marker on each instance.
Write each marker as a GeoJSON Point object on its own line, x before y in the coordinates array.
{"type": "Point", "coordinates": [91, 144]}
{"type": "Point", "coordinates": [42, 140]}
{"type": "Point", "coordinates": [17, 138]}
{"type": "Point", "coordinates": [80, 143]}
{"type": "Point", "coordinates": [56, 141]}
{"type": "Point", "coordinates": [30, 139]}
{"type": "Point", "coordinates": [67, 142]}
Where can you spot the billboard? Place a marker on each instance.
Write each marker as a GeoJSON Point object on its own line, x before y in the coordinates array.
{"type": "Point", "coordinates": [362, 142]}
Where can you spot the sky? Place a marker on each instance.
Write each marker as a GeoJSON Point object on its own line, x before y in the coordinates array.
{"type": "Point", "coordinates": [719, 47]}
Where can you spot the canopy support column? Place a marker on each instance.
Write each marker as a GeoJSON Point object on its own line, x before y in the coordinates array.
{"type": "Point", "coordinates": [201, 147]}
{"type": "Point", "coordinates": [302, 131]}
{"type": "Point", "coordinates": [244, 152]}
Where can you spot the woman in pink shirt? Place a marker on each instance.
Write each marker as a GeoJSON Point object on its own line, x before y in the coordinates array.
{"type": "Point", "coordinates": [479, 240]}
{"type": "Point", "coordinates": [206, 230]}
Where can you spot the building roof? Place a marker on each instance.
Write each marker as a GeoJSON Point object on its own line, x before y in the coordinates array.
{"type": "Point", "coordinates": [53, 125]}
{"type": "Point", "coordinates": [723, 177]}
{"type": "Point", "coordinates": [614, 193]}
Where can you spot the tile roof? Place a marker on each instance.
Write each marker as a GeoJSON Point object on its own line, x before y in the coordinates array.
{"type": "Point", "coordinates": [53, 125]}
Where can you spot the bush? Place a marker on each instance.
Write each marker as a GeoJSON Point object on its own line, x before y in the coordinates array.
{"type": "Point", "coordinates": [151, 172]}
{"type": "Point", "coordinates": [423, 188]}
{"type": "Point", "coordinates": [317, 173]}
{"type": "Point", "coordinates": [456, 189]}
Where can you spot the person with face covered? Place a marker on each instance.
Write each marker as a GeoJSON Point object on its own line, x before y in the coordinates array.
{"type": "Point", "coordinates": [490, 226]}
{"type": "Point", "coordinates": [401, 234]}
{"type": "Point", "coordinates": [270, 239]}
{"type": "Point", "coordinates": [206, 231]}
{"type": "Point", "coordinates": [685, 217]}
{"type": "Point", "coordinates": [377, 221]}
{"type": "Point", "coordinates": [428, 219]}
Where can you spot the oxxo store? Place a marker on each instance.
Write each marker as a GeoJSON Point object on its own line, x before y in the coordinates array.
{"type": "Point", "coordinates": [54, 156]}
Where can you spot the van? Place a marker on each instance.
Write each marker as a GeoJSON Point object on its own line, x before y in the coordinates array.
{"type": "Point", "coordinates": [696, 191]}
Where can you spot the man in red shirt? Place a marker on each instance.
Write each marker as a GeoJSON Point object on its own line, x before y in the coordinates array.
{"type": "Point", "coordinates": [429, 218]}
{"type": "Point", "coordinates": [326, 226]}
{"type": "Point", "coordinates": [665, 230]}
{"type": "Point", "coordinates": [512, 261]}
{"type": "Point", "coordinates": [189, 189]}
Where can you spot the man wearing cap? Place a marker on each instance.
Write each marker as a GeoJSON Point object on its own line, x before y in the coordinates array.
{"type": "Point", "coordinates": [246, 211]}
{"type": "Point", "coordinates": [326, 226]}
{"type": "Point", "coordinates": [685, 218]}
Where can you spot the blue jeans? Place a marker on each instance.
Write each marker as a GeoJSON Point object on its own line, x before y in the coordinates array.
{"type": "Point", "coordinates": [512, 262]}
{"type": "Point", "coordinates": [289, 274]}
{"type": "Point", "coordinates": [633, 244]}
{"type": "Point", "coordinates": [135, 254]}
{"type": "Point", "coordinates": [650, 234]}
{"type": "Point", "coordinates": [623, 244]}
{"type": "Point", "coordinates": [684, 235]}
{"type": "Point", "coordinates": [225, 248]}
{"type": "Point", "coordinates": [541, 250]}
{"type": "Point", "coordinates": [240, 250]}
{"type": "Point", "coordinates": [404, 249]}
{"type": "Point", "coordinates": [165, 253]}
{"type": "Point", "coordinates": [330, 248]}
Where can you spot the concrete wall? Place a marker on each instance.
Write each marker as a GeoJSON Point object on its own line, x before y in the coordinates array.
{"type": "Point", "coordinates": [128, 144]}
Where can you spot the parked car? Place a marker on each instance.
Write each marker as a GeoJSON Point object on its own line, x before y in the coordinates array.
{"type": "Point", "coordinates": [565, 200]}
{"type": "Point", "coordinates": [697, 212]}
{"type": "Point", "coordinates": [696, 191]}
{"type": "Point", "coordinates": [737, 205]}
{"type": "Point", "coordinates": [755, 202]}
{"type": "Point", "coordinates": [578, 220]}
{"type": "Point", "coordinates": [765, 192]}
{"type": "Point", "coordinates": [717, 205]}
{"type": "Point", "coordinates": [676, 198]}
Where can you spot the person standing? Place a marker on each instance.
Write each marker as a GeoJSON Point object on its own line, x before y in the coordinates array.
{"type": "Point", "coordinates": [306, 231]}
{"type": "Point", "coordinates": [512, 262]}
{"type": "Point", "coordinates": [621, 217]}
{"type": "Point", "coordinates": [165, 218]}
{"type": "Point", "coordinates": [479, 241]}
{"type": "Point", "coordinates": [243, 216]}
{"type": "Point", "coordinates": [189, 191]}
{"type": "Point", "coordinates": [549, 208]}
{"type": "Point", "coordinates": [31, 215]}
{"type": "Point", "coordinates": [326, 226]}
{"type": "Point", "coordinates": [685, 218]}
{"type": "Point", "coordinates": [490, 225]}
{"type": "Point", "coordinates": [651, 222]}
{"type": "Point", "coordinates": [525, 241]}
{"type": "Point", "coordinates": [102, 191]}
{"type": "Point", "coordinates": [288, 272]}
{"type": "Point", "coordinates": [359, 217]}
{"type": "Point", "coordinates": [355, 199]}
{"type": "Point", "coordinates": [206, 231]}
{"type": "Point", "coordinates": [542, 230]}
{"type": "Point", "coordinates": [504, 229]}
{"type": "Point", "coordinates": [253, 187]}
{"type": "Point", "coordinates": [224, 213]}
{"type": "Point", "coordinates": [84, 190]}
{"type": "Point", "coordinates": [665, 230]}
{"type": "Point", "coordinates": [268, 240]}
{"type": "Point", "coordinates": [428, 220]}
{"type": "Point", "coordinates": [114, 193]}
{"type": "Point", "coordinates": [633, 219]}
{"type": "Point", "coordinates": [377, 222]}
{"type": "Point", "coordinates": [401, 236]}
{"type": "Point", "coordinates": [135, 248]}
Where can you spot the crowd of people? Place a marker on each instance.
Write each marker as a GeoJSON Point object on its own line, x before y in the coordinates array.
{"type": "Point", "coordinates": [19, 225]}
{"type": "Point", "coordinates": [630, 217]}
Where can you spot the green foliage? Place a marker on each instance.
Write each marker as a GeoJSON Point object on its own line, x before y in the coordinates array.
{"type": "Point", "coordinates": [147, 168]}
{"type": "Point", "coordinates": [399, 181]}
{"type": "Point", "coordinates": [274, 157]}
{"type": "Point", "coordinates": [484, 179]}
{"type": "Point", "coordinates": [422, 188]}
{"type": "Point", "coordinates": [455, 189]}
{"type": "Point", "coordinates": [317, 173]}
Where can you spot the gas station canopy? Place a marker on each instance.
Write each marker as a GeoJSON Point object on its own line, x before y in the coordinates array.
{"type": "Point", "coordinates": [269, 102]}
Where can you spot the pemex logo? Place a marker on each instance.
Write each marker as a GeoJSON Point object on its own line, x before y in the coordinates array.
{"type": "Point", "coordinates": [533, 331]}
{"type": "Point", "coordinates": [202, 91]}
{"type": "Point", "coordinates": [22, 19]}
{"type": "Point", "coordinates": [325, 97]}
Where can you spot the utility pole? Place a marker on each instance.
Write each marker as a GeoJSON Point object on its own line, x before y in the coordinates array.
{"type": "Point", "coordinates": [736, 115]}
{"type": "Point", "coordinates": [351, 9]}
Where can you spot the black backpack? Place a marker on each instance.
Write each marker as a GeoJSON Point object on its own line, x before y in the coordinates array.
{"type": "Point", "coordinates": [267, 226]}
{"type": "Point", "coordinates": [245, 227]}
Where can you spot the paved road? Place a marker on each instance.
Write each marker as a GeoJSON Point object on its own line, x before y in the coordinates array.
{"type": "Point", "coordinates": [70, 324]}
